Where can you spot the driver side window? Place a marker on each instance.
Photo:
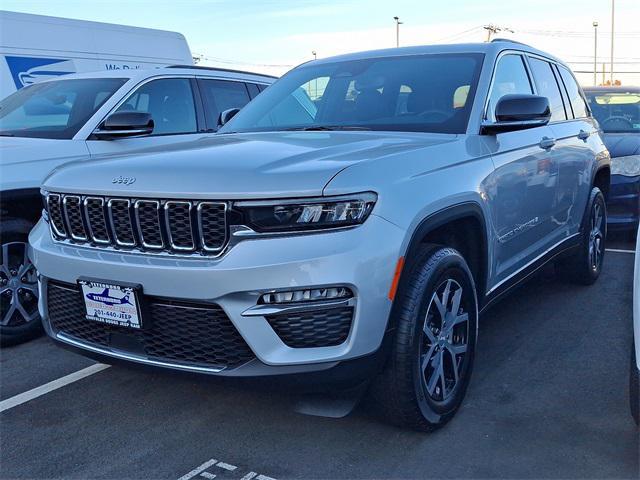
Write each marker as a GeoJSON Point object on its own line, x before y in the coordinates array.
{"type": "Point", "coordinates": [510, 77]}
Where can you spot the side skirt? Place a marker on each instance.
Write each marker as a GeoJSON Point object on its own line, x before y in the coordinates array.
{"type": "Point", "coordinates": [565, 248]}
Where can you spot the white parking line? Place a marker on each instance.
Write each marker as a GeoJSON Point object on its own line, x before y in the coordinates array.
{"type": "Point", "coordinates": [201, 472]}
{"type": "Point", "coordinates": [619, 250]}
{"type": "Point", "coordinates": [51, 386]}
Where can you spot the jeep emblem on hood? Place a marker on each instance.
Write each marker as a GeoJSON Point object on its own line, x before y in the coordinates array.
{"type": "Point", "coordinates": [124, 180]}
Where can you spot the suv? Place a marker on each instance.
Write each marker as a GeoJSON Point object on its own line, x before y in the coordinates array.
{"type": "Point", "coordinates": [86, 116]}
{"type": "Point", "coordinates": [348, 225]}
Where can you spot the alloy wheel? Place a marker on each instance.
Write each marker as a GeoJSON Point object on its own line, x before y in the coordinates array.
{"type": "Point", "coordinates": [596, 237]}
{"type": "Point", "coordinates": [444, 342]}
{"type": "Point", "coordinates": [18, 286]}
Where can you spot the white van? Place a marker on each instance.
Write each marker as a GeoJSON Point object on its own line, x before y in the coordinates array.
{"type": "Point", "coordinates": [37, 47]}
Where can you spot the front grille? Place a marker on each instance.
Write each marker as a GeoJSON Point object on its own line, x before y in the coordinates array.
{"type": "Point", "coordinates": [177, 226]}
{"type": "Point", "coordinates": [196, 335]}
{"type": "Point", "coordinates": [322, 328]}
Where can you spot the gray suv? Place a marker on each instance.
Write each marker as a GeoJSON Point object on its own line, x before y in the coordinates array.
{"type": "Point", "coordinates": [349, 225]}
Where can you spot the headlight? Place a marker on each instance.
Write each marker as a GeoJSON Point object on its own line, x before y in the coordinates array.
{"type": "Point", "coordinates": [628, 166]}
{"type": "Point", "coordinates": [307, 214]}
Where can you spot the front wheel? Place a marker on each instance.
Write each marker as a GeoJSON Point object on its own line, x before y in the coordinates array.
{"type": "Point", "coordinates": [427, 374]}
{"type": "Point", "coordinates": [19, 318]}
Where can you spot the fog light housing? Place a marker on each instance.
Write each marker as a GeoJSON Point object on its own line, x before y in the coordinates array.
{"type": "Point", "coordinates": [305, 295]}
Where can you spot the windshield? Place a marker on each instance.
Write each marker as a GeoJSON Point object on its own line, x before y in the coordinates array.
{"type": "Point", "coordinates": [418, 93]}
{"type": "Point", "coordinates": [616, 112]}
{"type": "Point", "coordinates": [55, 109]}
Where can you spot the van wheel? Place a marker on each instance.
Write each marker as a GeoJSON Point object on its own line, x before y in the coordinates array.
{"type": "Point", "coordinates": [585, 265]}
{"type": "Point", "coordinates": [19, 317]}
{"type": "Point", "coordinates": [431, 359]}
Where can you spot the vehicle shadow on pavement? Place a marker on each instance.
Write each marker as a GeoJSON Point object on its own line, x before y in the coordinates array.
{"type": "Point", "coordinates": [548, 399]}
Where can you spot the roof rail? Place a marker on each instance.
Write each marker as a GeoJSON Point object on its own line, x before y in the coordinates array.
{"type": "Point", "coordinates": [202, 67]}
{"type": "Point", "coordinates": [510, 41]}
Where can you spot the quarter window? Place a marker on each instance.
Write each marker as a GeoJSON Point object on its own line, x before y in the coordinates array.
{"type": "Point", "coordinates": [576, 100]}
{"type": "Point", "coordinates": [510, 77]}
{"type": "Point", "coordinates": [548, 87]}
{"type": "Point", "coordinates": [170, 103]}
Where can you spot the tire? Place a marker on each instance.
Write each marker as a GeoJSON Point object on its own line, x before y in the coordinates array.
{"type": "Point", "coordinates": [19, 318]}
{"type": "Point", "coordinates": [584, 266]}
{"type": "Point", "coordinates": [410, 391]}
{"type": "Point", "coordinates": [634, 387]}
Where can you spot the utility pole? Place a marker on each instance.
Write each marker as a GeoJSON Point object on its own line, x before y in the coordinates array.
{"type": "Point", "coordinates": [493, 29]}
{"type": "Point", "coordinates": [398, 23]}
{"type": "Point", "coordinates": [595, 54]}
{"type": "Point", "coordinates": [613, 7]}
{"type": "Point", "coordinates": [315, 57]}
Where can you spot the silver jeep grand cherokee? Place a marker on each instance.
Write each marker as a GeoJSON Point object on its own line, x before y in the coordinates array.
{"type": "Point", "coordinates": [349, 224]}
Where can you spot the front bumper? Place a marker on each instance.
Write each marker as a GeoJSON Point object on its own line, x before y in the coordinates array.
{"type": "Point", "coordinates": [623, 204]}
{"type": "Point", "coordinates": [362, 258]}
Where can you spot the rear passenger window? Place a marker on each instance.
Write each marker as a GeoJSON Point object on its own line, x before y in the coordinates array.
{"type": "Point", "coordinates": [577, 102]}
{"type": "Point", "coordinates": [253, 89]}
{"type": "Point", "coordinates": [548, 87]}
{"type": "Point", "coordinates": [221, 95]}
{"type": "Point", "coordinates": [510, 77]}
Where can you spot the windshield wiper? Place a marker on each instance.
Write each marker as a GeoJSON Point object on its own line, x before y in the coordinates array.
{"type": "Point", "coordinates": [3, 134]}
{"type": "Point", "coordinates": [319, 128]}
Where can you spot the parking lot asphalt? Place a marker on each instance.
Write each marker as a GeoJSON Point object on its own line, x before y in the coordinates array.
{"type": "Point", "coordinates": [548, 399]}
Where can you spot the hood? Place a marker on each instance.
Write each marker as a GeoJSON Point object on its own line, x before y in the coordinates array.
{"type": "Point", "coordinates": [21, 150]}
{"type": "Point", "coordinates": [622, 144]}
{"type": "Point", "coordinates": [251, 165]}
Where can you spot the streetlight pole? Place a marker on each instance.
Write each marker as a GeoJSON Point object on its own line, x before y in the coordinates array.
{"type": "Point", "coordinates": [398, 23]}
{"type": "Point", "coordinates": [595, 54]}
{"type": "Point", "coordinates": [613, 7]}
{"type": "Point", "coordinates": [315, 57]}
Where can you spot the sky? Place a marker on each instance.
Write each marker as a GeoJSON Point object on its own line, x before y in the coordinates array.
{"type": "Point", "coordinates": [272, 36]}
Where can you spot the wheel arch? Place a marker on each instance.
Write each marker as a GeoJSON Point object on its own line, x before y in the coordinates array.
{"type": "Point", "coordinates": [461, 226]}
{"type": "Point", "coordinates": [25, 204]}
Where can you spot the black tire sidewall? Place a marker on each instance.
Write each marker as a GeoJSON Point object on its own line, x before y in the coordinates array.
{"type": "Point", "coordinates": [450, 266]}
{"type": "Point", "coordinates": [17, 230]}
{"type": "Point", "coordinates": [591, 275]}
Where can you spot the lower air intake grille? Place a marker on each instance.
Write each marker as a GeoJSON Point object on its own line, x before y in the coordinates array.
{"type": "Point", "coordinates": [196, 335]}
{"type": "Point", "coordinates": [324, 328]}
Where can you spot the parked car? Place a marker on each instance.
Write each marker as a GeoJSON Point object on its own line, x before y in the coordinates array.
{"type": "Point", "coordinates": [617, 110]}
{"type": "Point", "coordinates": [87, 116]}
{"type": "Point", "coordinates": [39, 47]}
{"type": "Point", "coordinates": [349, 225]}
{"type": "Point", "coordinates": [634, 367]}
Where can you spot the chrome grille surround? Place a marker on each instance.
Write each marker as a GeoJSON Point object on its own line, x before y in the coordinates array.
{"type": "Point", "coordinates": [143, 225]}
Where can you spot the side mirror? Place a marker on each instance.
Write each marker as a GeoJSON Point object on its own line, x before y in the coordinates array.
{"type": "Point", "coordinates": [124, 124]}
{"type": "Point", "coordinates": [227, 115]}
{"type": "Point", "coordinates": [519, 112]}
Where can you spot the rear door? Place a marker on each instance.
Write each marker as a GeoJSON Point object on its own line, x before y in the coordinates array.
{"type": "Point", "coordinates": [522, 188]}
{"type": "Point", "coordinates": [220, 95]}
{"type": "Point", "coordinates": [576, 149]}
{"type": "Point", "coordinates": [174, 105]}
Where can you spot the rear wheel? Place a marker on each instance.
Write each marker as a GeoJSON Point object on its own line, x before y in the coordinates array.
{"type": "Point", "coordinates": [19, 318]}
{"type": "Point", "coordinates": [585, 265]}
{"type": "Point", "coordinates": [426, 377]}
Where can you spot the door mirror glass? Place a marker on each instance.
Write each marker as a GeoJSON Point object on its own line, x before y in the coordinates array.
{"type": "Point", "coordinates": [519, 112]}
{"type": "Point", "coordinates": [227, 115]}
{"type": "Point", "coordinates": [125, 124]}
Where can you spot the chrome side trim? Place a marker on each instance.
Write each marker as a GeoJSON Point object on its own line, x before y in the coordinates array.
{"type": "Point", "coordinates": [136, 208]}
{"type": "Point", "coordinates": [86, 212]}
{"type": "Point", "coordinates": [547, 251]}
{"type": "Point", "coordinates": [167, 218]}
{"type": "Point", "coordinates": [135, 358]}
{"type": "Point", "coordinates": [66, 215]}
{"type": "Point", "coordinates": [201, 232]}
{"type": "Point", "coordinates": [279, 309]}
{"type": "Point", "coordinates": [113, 225]}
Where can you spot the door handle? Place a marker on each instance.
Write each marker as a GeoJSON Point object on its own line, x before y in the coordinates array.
{"type": "Point", "coordinates": [546, 143]}
{"type": "Point", "coordinates": [583, 135]}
